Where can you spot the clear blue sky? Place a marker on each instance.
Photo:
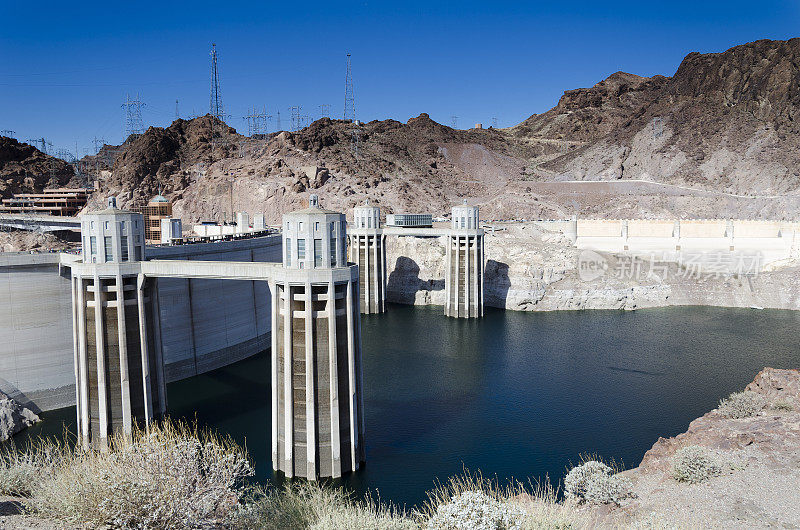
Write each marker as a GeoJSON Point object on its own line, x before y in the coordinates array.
{"type": "Point", "coordinates": [66, 66]}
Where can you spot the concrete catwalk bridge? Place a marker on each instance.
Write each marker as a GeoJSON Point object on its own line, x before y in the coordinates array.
{"type": "Point", "coordinates": [40, 223]}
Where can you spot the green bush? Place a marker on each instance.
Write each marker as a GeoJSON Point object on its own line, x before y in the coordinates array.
{"type": "Point", "coordinates": [783, 405]}
{"type": "Point", "coordinates": [692, 464]}
{"type": "Point", "coordinates": [742, 405]}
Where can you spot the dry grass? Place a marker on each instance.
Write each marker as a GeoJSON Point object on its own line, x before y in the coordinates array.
{"type": "Point", "coordinates": [173, 476]}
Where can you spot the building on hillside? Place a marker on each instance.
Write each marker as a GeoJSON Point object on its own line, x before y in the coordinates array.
{"type": "Point", "coordinates": [51, 201]}
{"type": "Point", "coordinates": [157, 209]}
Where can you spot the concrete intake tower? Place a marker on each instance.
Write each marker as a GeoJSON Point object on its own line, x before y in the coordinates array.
{"type": "Point", "coordinates": [464, 271]}
{"type": "Point", "coordinates": [368, 251]}
{"type": "Point", "coordinates": [119, 379]}
{"type": "Point", "coordinates": [317, 405]}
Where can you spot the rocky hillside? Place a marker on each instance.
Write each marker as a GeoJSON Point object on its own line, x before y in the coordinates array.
{"type": "Point", "coordinates": [25, 169]}
{"type": "Point", "coordinates": [725, 121]}
{"type": "Point", "coordinates": [725, 126]}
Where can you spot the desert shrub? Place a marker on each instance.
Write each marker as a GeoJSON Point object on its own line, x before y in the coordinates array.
{"type": "Point", "coordinates": [608, 489]}
{"type": "Point", "coordinates": [692, 464]}
{"type": "Point", "coordinates": [310, 506]}
{"type": "Point", "coordinates": [742, 405]}
{"type": "Point", "coordinates": [171, 477]}
{"type": "Point", "coordinates": [783, 405]}
{"type": "Point", "coordinates": [578, 478]}
{"type": "Point", "coordinates": [596, 483]}
{"type": "Point", "coordinates": [476, 510]}
{"type": "Point", "coordinates": [22, 468]}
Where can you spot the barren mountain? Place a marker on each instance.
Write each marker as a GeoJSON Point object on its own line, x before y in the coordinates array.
{"type": "Point", "coordinates": [23, 168]}
{"type": "Point", "coordinates": [719, 138]}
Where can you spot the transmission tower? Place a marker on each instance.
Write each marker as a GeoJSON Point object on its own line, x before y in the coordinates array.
{"type": "Point", "coordinates": [454, 121]}
{"type": "Point", "coordinates": [295, 110]}
{"type": "Point", "coordinates": [324, 111]}
{"type": "Point", "coordinates": [98, 143]}
{"type": "Point", "coordinates": [7, 132]}
{"type": "Point", "coordinates": [349, 97]}
{"type": "Point", "coordinates": [133, 116]}
{"type": "Point", "coordinates": [278, 121]}
{"type": "Point", "coordinates": [257, 121]}
{"type": "Point", "coordinates": [177, 113]}
{"type": "Point", "coordinates": [65, 155]}
{"type": "Point", "coordinates": [41, 144]}
{"type": "Point", "coordinates": [216, 109]}
{"type": "Point", "coordinates": [494, 123]}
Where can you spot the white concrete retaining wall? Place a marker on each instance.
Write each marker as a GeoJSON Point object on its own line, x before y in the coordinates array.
{"type": "Point", "coordinates": [774, 240]}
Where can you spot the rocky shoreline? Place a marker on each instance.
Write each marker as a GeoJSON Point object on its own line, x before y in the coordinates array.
{"type": "Point", "coordinates": [531, 269]}
{"type": "Point", "coordinates": [759, 458]}
{"type": "Point", "coordinates": [14, 417]}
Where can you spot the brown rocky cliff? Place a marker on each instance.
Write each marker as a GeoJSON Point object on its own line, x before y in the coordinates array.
{"type": "Point", "coordinates": [25, 169]}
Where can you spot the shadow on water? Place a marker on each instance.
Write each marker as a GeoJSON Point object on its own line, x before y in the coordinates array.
{"type": "Point", "coordinates": [405, 275]}
{"type": "Point", "coordinates": [513, 394]}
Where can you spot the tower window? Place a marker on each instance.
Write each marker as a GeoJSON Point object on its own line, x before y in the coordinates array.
{"type": "Point", "coordinates": [124, 242]}
{"type": "Point", "coordinates": [109, 249]}
{"type": "Point", "coordinates": [318, 253]}
{"type": "Point", "coordinates": [301, 249]}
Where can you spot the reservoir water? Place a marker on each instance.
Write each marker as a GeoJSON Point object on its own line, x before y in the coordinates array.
{"type": "Point", "coordinates": [513, 395]}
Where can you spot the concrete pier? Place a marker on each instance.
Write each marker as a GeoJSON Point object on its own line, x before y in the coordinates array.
{"type": "Point", "coordinates": [317, 404]}
{"type": "Point", "coordinates": [119, 374]}
{"type": "Point", "coordinates": [368, 251]}
{"type": "Point", "coordinates": [464, 269]}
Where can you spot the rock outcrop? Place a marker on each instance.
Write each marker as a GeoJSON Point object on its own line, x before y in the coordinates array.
{"type": "Point", "coordinates": [529, 268]}
{"type": "Point", "coordinates": [25, 169]}
{"type": "Point", "coordinates": [14, 417]}
{"type": "Point", "coordinates": [726, 125]}
{"type": "Point", "coordinates": [759, 460]}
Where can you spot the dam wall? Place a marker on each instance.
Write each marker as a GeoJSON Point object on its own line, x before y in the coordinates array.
{"type": "Point", "coordinates": [205, 324]}
{"type": "Point", "coordinates": [772, 240]}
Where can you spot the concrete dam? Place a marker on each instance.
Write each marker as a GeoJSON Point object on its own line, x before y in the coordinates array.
{"type": "Point", "coordinates": [205, 324]}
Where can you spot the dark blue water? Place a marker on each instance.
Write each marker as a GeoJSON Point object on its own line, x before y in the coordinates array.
{"type": "Point", "coordinates": [515, 394]}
